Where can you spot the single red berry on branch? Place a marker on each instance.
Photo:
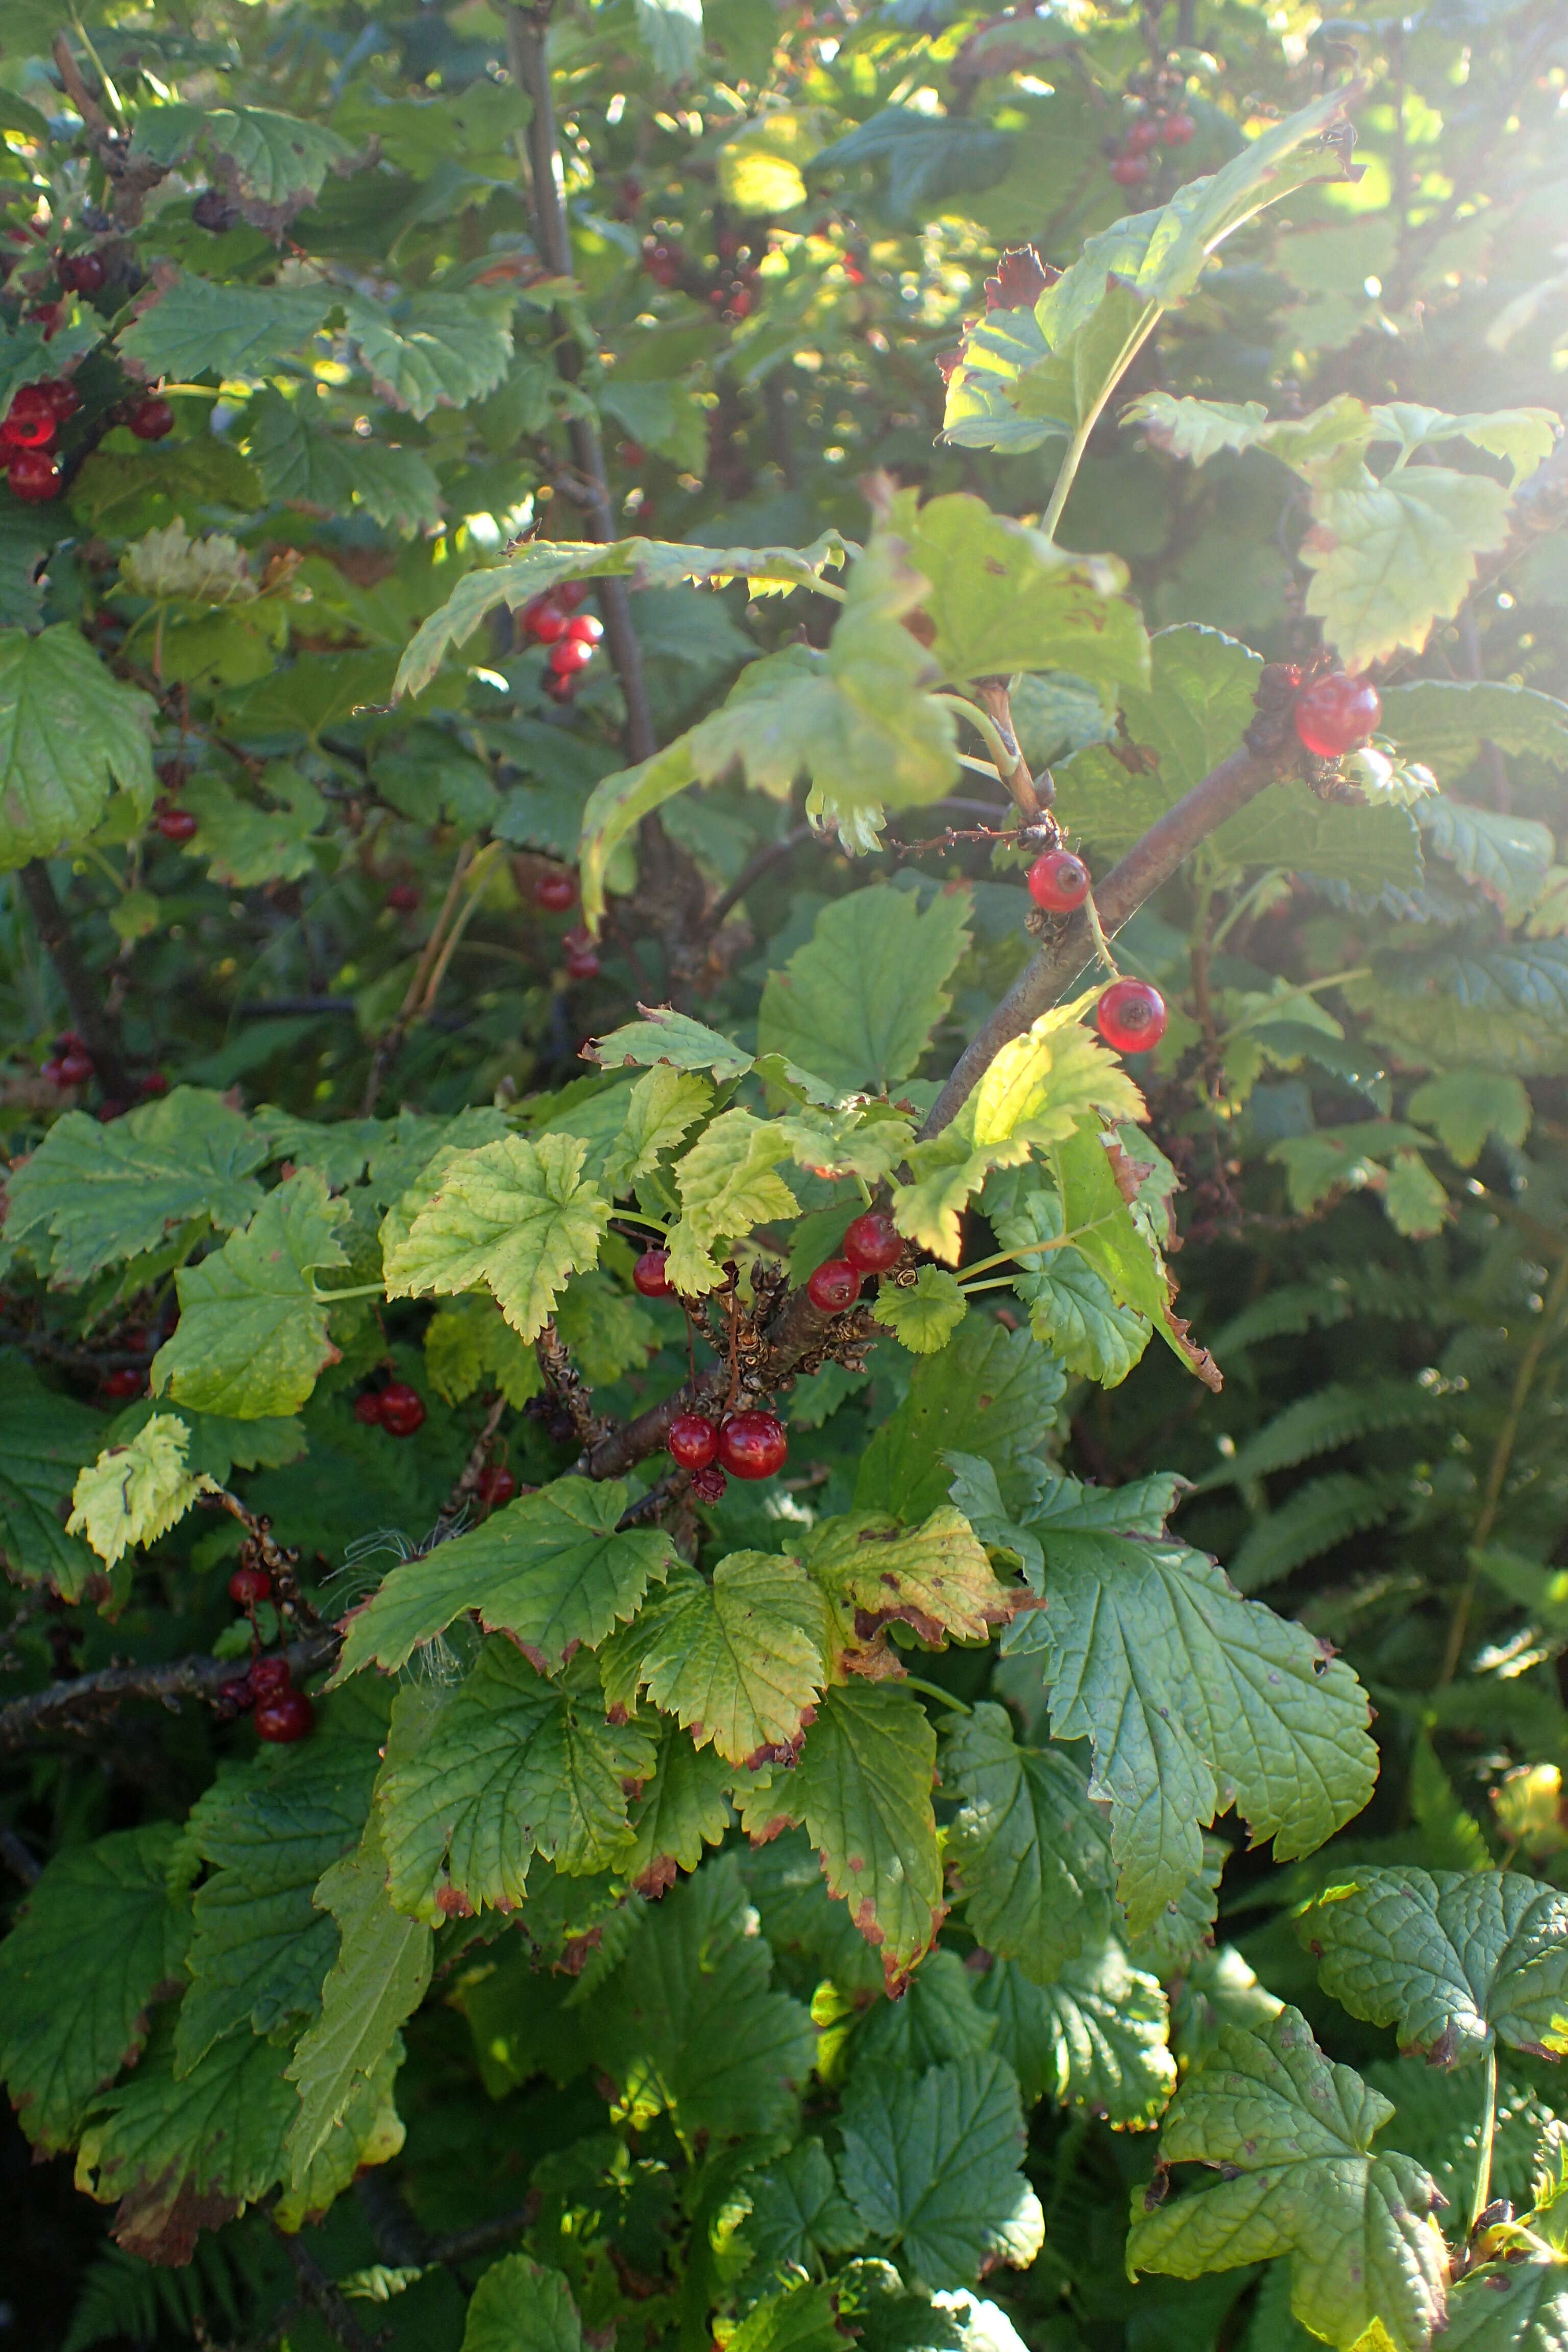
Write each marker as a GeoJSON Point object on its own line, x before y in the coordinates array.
{"type": "Point", "coordinates": [873, 1243]}
{"type": "Point", "coordinates": [835, 1286]}
{"type": "Point", "coordinates": [155, 1083]}
{"type": "Point", "coordinates": [283, 1717]}
{"type": "Point", "coordinates": [76, 1067]}
{"type": "Point", "coordinates": [367, 1408]}
{"type": "Point", "coordinates": [586, 625]}
{"type": "Point", "coordinates": [497, 1486]}
{"type": "Point", "coordinates": [150, 420]}
{"type": "Point", "coordinates": [753, 1444]}
{"type": "Point", "coordinates": [81, 273]}
{"type": "Point", "coordinates": [555, 893]}
{"type": "Point", "coordinates": [126, 1381]}
{"type": "Point", "coordinates": [1337, 714]}
{"type": "Point", "coordinates": [270, 1675]}
{"type": "Point", "coordinates": [403, 897]}
{"type": "Point", "coordinates": [1058, 881]}
{"type": "Point", "coordinates": [178, 824]}
{"type": "Point", "coordinates": [1129, 171]}
{"type": "Point", "coordinates": [583, 963]}
{"type": "Point", "coordinates": [1131, 1016]}
{"type": "Point", "coordinates": [248, 1586]}
{"type": "Point", "coordinates": [693, 1440]}
{"type": "Point", "coordinates": [543, 621]}
{"type": "Point", "coordinates": [34, 475]}
{"type": "Point", "coordinates": [1142, 134]}
{"type": "Point", "coordinates": [569, 654]}
{"type": "Point", "coordinates": [1177, 130]}
{"type": "Point", "coordinates": [650, 1275]}
{"type": "Point", "coordinates": [401, 1409]}
{"type": "Point", "coordinates": [30, 420]}
{"type": "Point", "coordinates": [709, 1485]}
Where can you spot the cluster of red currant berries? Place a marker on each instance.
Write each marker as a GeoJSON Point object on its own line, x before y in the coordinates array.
{"type": "Point", "coordinates": [396, 1408]}
{"type": "Point", "coordinates": [554, 620]}
{"type": "Point", "coordinates": [555, 893]}
{"type": "Point", "coordinates": [1335, 714]}
{"type": "Point", "coordinates": [1133, 161]}
{"type": "Point", "coordinates": [283, 1714]}
{"type": "Point", "coordinates": [733, 296]}
{"type": "Point", "coordinates": [27, 437]}
{"type": "Point", "coordinates": [70, 1064]}
{"type": "Point", "coordinates": [755, 1445]}
{"type": "Point", "coordinates": [1131, 1015]}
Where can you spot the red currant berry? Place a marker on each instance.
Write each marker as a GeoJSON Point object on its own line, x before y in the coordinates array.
{"type": "Point", "coordinates": [155, 1083]}
{"type": "Point", "coordinates": [62, 396]}
{"type": "Point", "coordinates": [1336, 714]}
{"type": "Point", "coordinates": [571, 594]}
{"type": "Point", "coordinates": [270, 1675]}
{"type": "Point", "coordinates": [709, 1485]}
{"type": "Point", "coordinates": [559, 689]}
{"type": "Point", "coordinates": [81, 273]}
{"type": "Point", "coordinates": [835, 1286]}
{"type": "Point", "coordinates": [554, 893]}
{"type": "Point", "coordinates": [367, 1408]}
{"type": "Point", "coordinates": [1177, 130]}
{"type": "Point", "coordinates": [753, 1444]}
{"type": "Point", "coordinates": [693, 1440]}
{"type": "Point", "coordinates": [583, 963]}
{"type": "Point", "coordinates": [1058, 881]}
{"type": "Point", "coordinates": [586, 625]}
{"type": "Point", "coordinates": [650, 1275]}
{"type": "Point", "coordinates": [1129, 171]}
{"type": "Point", "coordinates": [497, 1486]}
{"type": "Point", "coordinates": [178, 824]}
{"type": "Point", "coordinates": [51, 1074]}
{"type": "Point", "coordinates": [150, 420]}
{"type": "Point", "coordinates": [543, 621]}
{"type": "Point", "coordinates": [235, 1699]}
{"type": "Point", "coordinates": [403, 897]}
{"type": "Point", "coordinates": [1142, 134]}
{"type": "Point", "coordinates": [401, 1409]}
{"type": "Point", "coordinates": [76, 1067]}
{"type": "Point", "coordinates": [34, 475]}
{"type": "Point", "coordinates": [662, 262]}
{"type": "Point", "coordinates": [1131, 1016]}
{"type": "Point", "coordinates": [286, 1717]}
{"type": "Point", "coordinates": [125, 1382]}
{"type": "Point", "coordinates": [108, 1112]}
{"type": "Point", "coordinates": [29, 432]}
{"type": "Point", "coordinates": [873, 1243]}
{"type": "Point", "coordinates": [571, 653]}
{"type": "Point", "coordinates": [246, 1586]}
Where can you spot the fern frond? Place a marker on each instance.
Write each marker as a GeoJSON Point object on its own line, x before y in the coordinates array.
{"type": "Point", "coordinates": [126, 2299]}
{"type": "Point", "coordinates": [1325, 1512]}
{"type": "Point", "coordinates": [1335, 1416]}
{"type": "Point", "coordinates": [1284, 1314]}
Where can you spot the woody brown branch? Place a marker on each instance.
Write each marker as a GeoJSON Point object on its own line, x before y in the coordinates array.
{"type": "Point", "coordinates": [76, 1705]}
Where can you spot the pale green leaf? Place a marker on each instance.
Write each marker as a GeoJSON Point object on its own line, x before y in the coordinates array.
{"type": "Point", "coordinates": [1452, 1959]}
{"type": "Point", "coordinates": [1507, 857]}
{"type": "Point", "coordinates": [729, 1182]}
{"type": "Point", "coordinates": [923, 1315]}
{"type": "Point", "coordinates": [99, 1939]}
{"type": "Point", "coordinates": [1465, 1106]}
{"type": "Point", "coordinates": [858, 1002]}
{"type": "Point", "coordinates": [517, 1215]}
{"type": "Point", "coordinates": [379, 1980]}
{"type": "Point", "coordinates": [1415, 1203]}
{"type": "Point", "coordinates": [664, 1105]}
{"type": "Point", "coordinates": [1444, 722]}
{"type": "Point", "coordinates": [1290, 2138]}
{"type": "Point", "coordinates": [133, 1494]}
{"type": "Point", "coordinates": [1072, 1311]}
{"type": "Point", "coordinates": [1515, 2306]}
{"type": "Point", "coordinates": [672, 31]}
{"type": "Point", "coordinates": [244, 845]}
{"type": "Point", "coordinates": [1089, 1168]}
{"type": "Point", "coordinates": [663, 1035]}
{"type": "Point", "coordinates": [931, 2167]}
{"type": "Point", "coordinates": [70, 733]}
{"type": "Point", "coordinates": [1389, 560]}
{"type": "Point", "coordinates": [252, 1334]}
{"type": "Point", "coordinates": [739, 1662]}
{"type": "Point", "coordinates": [277, 160]}
{"type": "Point", "coordinates": [549, 1569]}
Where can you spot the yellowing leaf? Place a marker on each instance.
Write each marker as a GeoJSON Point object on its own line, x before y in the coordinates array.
{"type": "Point", "coordinates": [935, 1577]}
{"type": "Point", "coordinates": [135, 1493]}
{"type": "Point", "coordinates": [739, 1662]}
{"type": "Point", "coordinates": [728, 1183]}
{"type": "Point", "coordinates": [664, 1104]}
{"type": "Point", "coordinates": [516, 1215]}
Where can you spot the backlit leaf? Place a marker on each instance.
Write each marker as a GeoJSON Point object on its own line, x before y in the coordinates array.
{"type": "Point", "coordinates": [252, 1334]}
{"type": "Point", "coordinates": [133, 1494]}
{"type": "Point", "coordinates": [517, 1215]}
{"type": "Point", "coordinates": [858, 1002]}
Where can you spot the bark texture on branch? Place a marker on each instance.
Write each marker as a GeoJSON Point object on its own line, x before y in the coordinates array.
{"type": "Point", "coordinates": [73, 1705]}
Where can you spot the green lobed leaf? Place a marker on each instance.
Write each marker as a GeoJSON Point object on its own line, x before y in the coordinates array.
{"type": "Point", "coordinates": [1390, 558]}
{"type": "Point", "coordinates": [276, 162]}
{"type": "Point", "coordinates": [520, 2307]}
{"type": "Point", "coordinates": [378, 1979]}
{"type": "Point", "coordinates": [1515, 2306]}
{"type": "Point", "coordinates": [549, 1569]}
{"type": "Point", "coordinates": [1443, 722]}
{"type": "Point", "coordinates": [1466, 1107]}
{"type": "Point", "coordinates": [684, 1808]}
{"type": "Point", "coordinates": [1031, 1854]}
{"type": "Point", "coordinates": [1290, 2138]}
{"type": "Point", "coordinates": [187, 326]}
{"type": "Point", "coordinates": [432, 349]}
{"type": "Point", "coordinates": [1072, 1309]}
{"type": "Point", "coordinates": [133, 1494]}
{"type": "Point", "coordinates": [517, 1215]}
{"type": "Point", "coordinates": [99, 1940]}
{"type": "Point", "coordinates": [990, 1392]}
{"type": "Point", "coordinates": [70, 733]}
{"type": "Point", "coordinates": [862, 1787]}
{"type": "Point", "coordinates": [1093, 2037]}
{"type": "Point", "coordinates": [931, 2167]}
{"type": "Point", "coordinates": [1193, 1700]}
{"type": "Point", "coordinates": [858, 1002]}
{"type": "Point", "coordinates": [923, 1315]}
{"type": "Point", "coordinates": [252, 1334]}
{"type": "Point", "coordinates": [1452, 1960]}
{"type": "Point", "coordinates": [510, 1766]}
{"type": "Point", "coordinates": [47, 1436]}
{"type": "Point", "coordinates": [738, 1662]}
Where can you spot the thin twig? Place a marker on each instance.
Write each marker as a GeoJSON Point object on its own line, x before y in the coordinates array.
{"type": "Point", "coordinates": [391, 1044]}
{"type": "Point", "coordinates": [96, 1028]}
{"type": "Point", "coordinates": [76, 1705]}
{"type": "Point", "coordinates": [19, 1859]}
{"type": "Point", "coordinates": [326, 2296]}
{"type": "Point", "coordinates": [472, 1472]}
{"type": "Point", "coordinates": [461, 2245]}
